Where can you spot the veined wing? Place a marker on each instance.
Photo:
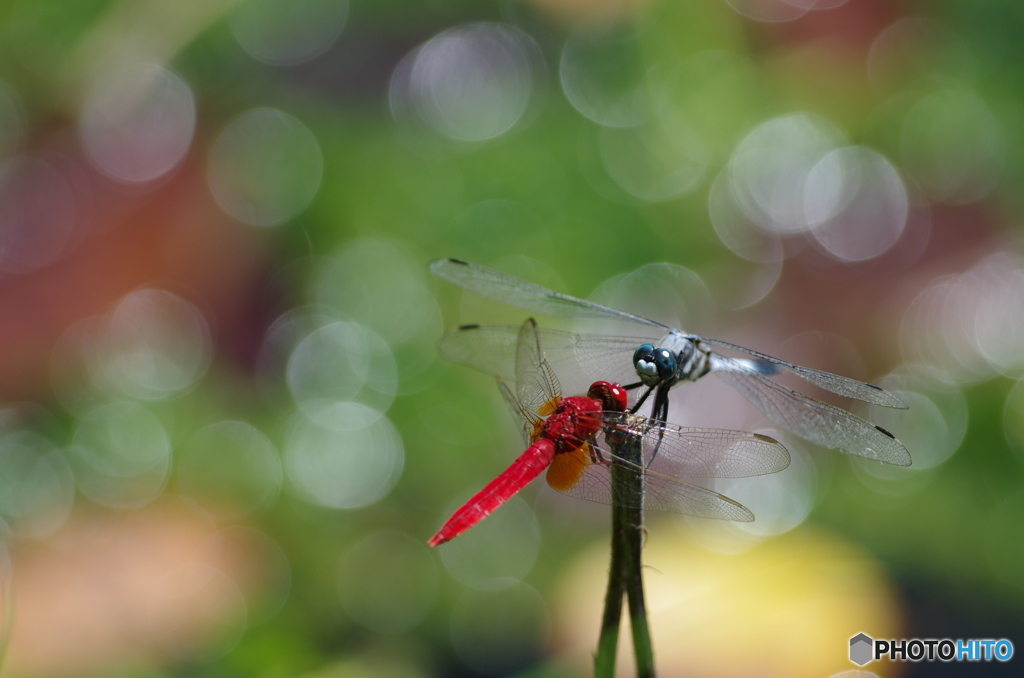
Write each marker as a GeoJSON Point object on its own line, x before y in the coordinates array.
{"type": "Point", "coordinates": [513, 291]}
{"type": "Point", "coordinates": [534, 298]}
{"type": "Point", "coordinates": [536, 384]}
{"type": "Point", "coordinates": [577, 474]}
{"type": "Point", "coordinates": [527, 421]}
{"type": "Point", "coordinates": [578, 359]}
{"type": "Point", "coordinates": [844, 386]}
{"type": "Point", "coordinates": [690, 452]}
{"type": "Point", "coordinates": [812, 419]}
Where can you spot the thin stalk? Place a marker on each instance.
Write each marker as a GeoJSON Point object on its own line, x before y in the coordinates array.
{"type": "Point", "coordinates": [608, 642]}
{"type": "Point", "coordinates": [635, 594]}
{"type": "Point", "coordinates": [7, 593]}
{"type": "Point", "coordinates": [625, 574]}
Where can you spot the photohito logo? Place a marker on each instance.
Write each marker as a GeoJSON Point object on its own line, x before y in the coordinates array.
{"type": "Point", "coordinates": [863, 648]}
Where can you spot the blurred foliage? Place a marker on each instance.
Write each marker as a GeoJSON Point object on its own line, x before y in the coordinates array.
{"type": "Point", "coordinates": [541, 199]}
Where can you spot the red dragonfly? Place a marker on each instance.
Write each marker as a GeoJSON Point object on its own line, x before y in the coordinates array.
{"type": "Point", "coordinates": [576, 438]}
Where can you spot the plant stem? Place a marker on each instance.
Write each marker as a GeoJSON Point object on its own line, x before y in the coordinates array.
{"type": "Point", "coordinates": [625, 573]}
{"type": "Point", "coordinates": [7, 623]}
{"type": "Point", "coordinates": [607, 644]}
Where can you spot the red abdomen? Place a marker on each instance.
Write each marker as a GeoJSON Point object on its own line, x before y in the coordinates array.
{"type": "Point", "coordinates": [528, 466]}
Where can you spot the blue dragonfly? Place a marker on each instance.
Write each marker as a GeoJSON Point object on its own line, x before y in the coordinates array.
{"type": "Point", "coordinates": [655, 367]}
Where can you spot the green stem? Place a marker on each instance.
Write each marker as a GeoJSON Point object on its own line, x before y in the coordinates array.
{"type": "Point", "coordinates": [608, 642]}
{"type": "Point", "coordinates": [7, 592]}
{"type": "Point", "coordinates": [625, 572]}
{"type": "Point", "coordinates": [635, 594]}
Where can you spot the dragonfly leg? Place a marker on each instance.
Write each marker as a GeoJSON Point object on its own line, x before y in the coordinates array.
{"type": "Point", "coordinates": [641, 400]}
{"type": "Point", "coordinates": [596, 456]}
{"type": "Point", "coordinates": [659, 414]}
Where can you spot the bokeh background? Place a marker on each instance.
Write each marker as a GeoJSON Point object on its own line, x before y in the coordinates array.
{"type": "Point", "coordinates": [226, 435]}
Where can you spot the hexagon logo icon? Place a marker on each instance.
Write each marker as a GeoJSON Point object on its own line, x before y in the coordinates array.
{"type": "Point", "coordinates": [861, 649]}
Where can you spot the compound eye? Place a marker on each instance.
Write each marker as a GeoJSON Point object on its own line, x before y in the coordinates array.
{"type": "Point", "coordinates": [665, 361]}
{"type": "Point", "coordinates": [611, 396]}
{"type": "Point", "coordinates": [644, 362]}
{"type": "Point", "coordinates": [618, 398]}
{"type": "Point", "coordinates": [643, 352]}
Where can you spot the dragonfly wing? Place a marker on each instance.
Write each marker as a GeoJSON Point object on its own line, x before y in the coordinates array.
{"type": "Point", "coordinates": [528, 421]}
{"type": "Point", "coordinates": [594, 356]}
{"type": "Point", "coordinates": [491, 349]}
{"type": "Point", "coordinates": [513, 291]}
{"type": "Point", "coordinates": [579, 474]}
{"type": "Point", "coordinates": [536, 384]}
{"type": "Point", "coordinates": [814, 420]}
{"type": "Point", "coordinates": [578, 359]}
{"type": "Point", "coordinates": [662, 493]}
{"type": "Point", "coordinates": [689, 452]}
{"type": "Point", "coordinates": [844, 386]}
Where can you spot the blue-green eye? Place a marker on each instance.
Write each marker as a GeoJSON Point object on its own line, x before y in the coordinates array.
{"type": "Point", "coordinates": [644, 360]}
{"type": "Point", "coordinates": [654, 365]}
{"type": "Point", "coordinates": [666, 363]}
{"type": "Point", "coordinates": [643, 352]}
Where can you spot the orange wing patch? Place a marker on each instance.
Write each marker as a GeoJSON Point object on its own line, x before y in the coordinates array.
{"type": "Point", "coordinates": [567, 468]}
{"type": "Point", "coordinates": [545, 410]}
{"type": "Point", "coordinates": [549, 406]}
{"type": "Point", "coordinates": [538, 428]}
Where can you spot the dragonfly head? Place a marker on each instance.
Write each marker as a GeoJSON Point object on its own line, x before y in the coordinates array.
{"type": "Point", "coordinates": [611, 396]}
{"type": "Point", "coordinates": [654, 365]}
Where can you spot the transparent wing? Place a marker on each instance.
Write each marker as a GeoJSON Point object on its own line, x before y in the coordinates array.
{"type": "Point", "coordinates": [513, 291]}
{"type": "Point", "coordinates": [578, 359]}
{"type": "Point", "coordinates": [536, 385]}
{"type": "Point", "coordinates": [580, 474]}
{"type": "Point", "coordinates": [812, 419]}
{"type": "Point", "coordinates": [527, 421]}
{"type": "Point", "coordinates": [689, 452]}
{"type": "Point", "coordinates": [491, 349]}
{"type": "Point", "coordinates": [536, 299]}
{"type": "Point", "coordinates": [844, 386]}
